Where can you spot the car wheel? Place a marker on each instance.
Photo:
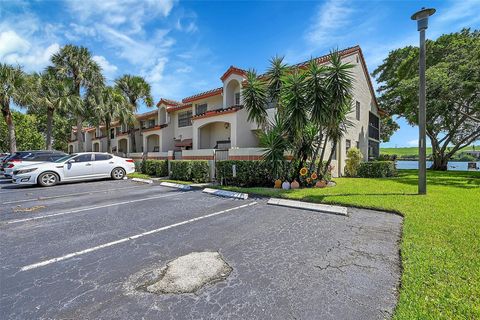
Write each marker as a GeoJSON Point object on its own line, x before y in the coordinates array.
{"type": "Point", "coordinates": [118, 174]}
{"type": "Point", "coordinates": [47, 179]}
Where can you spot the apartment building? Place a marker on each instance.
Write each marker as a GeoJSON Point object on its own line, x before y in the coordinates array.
{"type": "Point", "coordinates": [213, 125]}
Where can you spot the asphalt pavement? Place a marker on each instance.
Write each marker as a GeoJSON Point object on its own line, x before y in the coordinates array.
{"type": "Point", "coordinates": [78, 251]}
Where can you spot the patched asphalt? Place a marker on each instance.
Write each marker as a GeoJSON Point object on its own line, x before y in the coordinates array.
{"type": "Point", "coordinates": [287, 263]}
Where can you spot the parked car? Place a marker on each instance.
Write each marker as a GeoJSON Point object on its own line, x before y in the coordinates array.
{"type": "Point", "coordinates": [75, 167]}
{"type": "Point", "coordinates": [26, 158]}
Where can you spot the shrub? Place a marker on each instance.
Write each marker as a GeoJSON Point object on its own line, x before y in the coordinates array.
{"type": "Point", "coordinates": [200, 171]}
{"type": "Point", "coordinates": [387, 157]}
{"type": "Point", "coordinates": [377, 169]}
{"type": "Point", "coordinates": [138, 166]}
{"type": "Point", "coordinates": [354, 158]}
{"type": "Point", "coordinates": [156, 168]}
{"type": "Point", "coordinates": [189, 170]}
{"type": "Point", "coordinates": [248, 173]}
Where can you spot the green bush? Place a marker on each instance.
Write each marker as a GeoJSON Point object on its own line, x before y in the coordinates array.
{"type": "Point", "coordinates": [354, 158]}
{"type": "Point", "coordinates": [248, 173]}
{"type": "Point", "coordinates": [158, 168]}
{"type": "Point", "coordinates": [139, 166]}
{"type": "Point", "coordinates": [387, 157]}
{"type": "Point", "coordinates": [377, 169]}
{"type": "Point", "coordinates": [189, 170]}
{"type": "Point", "coordinates": [200, 171]}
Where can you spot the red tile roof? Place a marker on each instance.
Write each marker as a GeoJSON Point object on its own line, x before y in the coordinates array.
{"type": "Point", "coordinates": [203, 95]}
{"type": "Point", "coordinates": [233, 70]}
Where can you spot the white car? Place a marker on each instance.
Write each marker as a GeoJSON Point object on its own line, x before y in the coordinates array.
{"type": "Point", "coordinates": [75, 167]}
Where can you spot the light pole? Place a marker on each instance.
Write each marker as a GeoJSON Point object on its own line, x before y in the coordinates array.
{"type": "Point", "coordinates": [422, 24]}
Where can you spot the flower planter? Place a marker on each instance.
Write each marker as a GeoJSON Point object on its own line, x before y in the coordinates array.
{"type": "Point", "coordinates": [286, 185]}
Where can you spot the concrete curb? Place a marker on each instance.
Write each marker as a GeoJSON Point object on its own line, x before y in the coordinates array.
{"type": "Point", "coordinates": [227, 194]}
{"type": "Point", "coordinates": [325, 208]}
{"type": "Point", "coordinates": [176, 185]}
{"type": "Point", "coordinates": [142, 180]}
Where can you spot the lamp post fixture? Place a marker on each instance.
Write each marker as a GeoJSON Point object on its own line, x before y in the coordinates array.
{"type": "Point", "coordinates": [422, 24]}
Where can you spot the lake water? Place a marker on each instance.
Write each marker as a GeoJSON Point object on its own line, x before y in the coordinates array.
{"type": "Point", "coordinates": [453, 165]}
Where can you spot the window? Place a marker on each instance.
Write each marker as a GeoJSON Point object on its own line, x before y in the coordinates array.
{"type": "Point", "coordinates": [373, 150]}
{"type": "Point", "coordinates": [373, 126]}
{"type": "Point", "coordinates": [142, 124]}
{"type": "Point", "coordinates": [334, 156]}
{"type": "Point", "coordinates": [151, 123]}
{"type": "Point", "coordinates": [102, 157]}
{"type": "Point", "coordinates": [184, 119]}
{"type": "Point", "coordinates": [83, 158]}
{"type": "Point", "coordinates": [124, 128]}
{"type": "Point", "coordinates": [237, 98]}
{"type": "Point", "coordinates": [357, 110]}
{"type": "Point", "coordinates": [348, 144]}
{"type": "Point", "coordinates": [112, 133]}
{"type": "Point", "coordinates": [200, 108]}
{"type": "Point", "coordinates": [358, 145]}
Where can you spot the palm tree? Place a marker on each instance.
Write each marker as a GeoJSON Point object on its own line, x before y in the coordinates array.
{"type": "Point", "coordinates": [76, 64]}
{"type": "Point", "coordinates": [274, 143]}
{"type": "Point", "coordinates": [109, 105]}
{"type": "Point", "coordinates": [135, 89]}
{"type": "Point", "coordinates": [51, 95]}
{"type": "Point", "coordinates": [12, 89]}
{"type": "Point", "coordinates": [338, 84]}
{"type": "Point", "coordinates": [255, 98]}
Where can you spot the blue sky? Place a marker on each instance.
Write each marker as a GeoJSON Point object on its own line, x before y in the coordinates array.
{"type": "Point", "coordinates": [183, 48]}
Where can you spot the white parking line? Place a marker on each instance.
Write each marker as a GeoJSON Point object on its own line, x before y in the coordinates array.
{"type": "Point", "coordinates": [109, 244]}
{"type": "Point", "coordinates": [68, 195]}
{"type": "Point", "coordinates": [93, 208]}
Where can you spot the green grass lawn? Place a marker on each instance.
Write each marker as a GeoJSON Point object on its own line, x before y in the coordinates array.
{"type": "Point", "coordinates": [138, 175]}
{"type": "Point", "coordinates": [440, 246]}
{"type": "Point", "coordinates": [413, 151]}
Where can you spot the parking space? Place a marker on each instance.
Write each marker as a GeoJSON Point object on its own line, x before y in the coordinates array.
{"type": "Point", "coordinates": [79, 255]}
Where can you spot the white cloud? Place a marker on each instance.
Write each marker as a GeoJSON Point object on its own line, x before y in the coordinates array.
{"type": "Point", "coordinates": [11, 42]}
{"type": "Point", "coordinates": [131, 14]}
{"type": "Point", "coordinates": [108, 69]}
{"type": "Point", "coordinates": [413, 143]}
{"type": "Point", "coordinates": [330, 22]}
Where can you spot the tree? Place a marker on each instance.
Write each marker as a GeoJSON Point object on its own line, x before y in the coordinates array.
{"type": "Point", "coordinates": [51, 95]}
{"type": "Point", "coordinates": [453, 91]}
{"type": "Point", "coordinates": [312, 104]}
{"type": "Point", "coordinates": [136, 90]}
{"type": "Point", "coordinates": [389, 126]}
{"type": "Point", "coordinates": [75, 64]}
{"type": "Point", "coordinates": [12, 89]}
{"type": "Point", "coordinates": [110, 105]}
{"type": "Point", "coordinates": [28, 137]}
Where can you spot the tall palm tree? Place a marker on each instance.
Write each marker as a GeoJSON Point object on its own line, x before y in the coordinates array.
{"type": "Point", "coordinates": [51, 94]}
{"type": "Point", "coordinates": [339, 83]}
{"type": "Point", "coordinates": [274, 74]}
{"type": "Point", "coordinates": [76, 64]}
{"type": "Point", "coordinates": [109, 105]}
{"type": "Point", "coordinates": [12, 89]}
{"type": "Point", "coordinates": [255, 98]}
{"type": "Point", "coordinates": [274, 143]}
{"type": "Point", "coordinates": [135, 89]}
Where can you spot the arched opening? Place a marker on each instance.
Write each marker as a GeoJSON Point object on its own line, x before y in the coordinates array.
{"type": "Point", "coordinates": [232, 93]}
{"type": "Point", "coordinates": [215, 135]}
{"type": "Point", "coordinates": [123, 146]}
{"type": "Point", "coordinates": [96, 147]}
{"type": "Point", "coordinates": [70, 149]}
{"type": "Point", "coordinates": [153, 143]}
{"type": "Point", "coordinates": [163, 115]}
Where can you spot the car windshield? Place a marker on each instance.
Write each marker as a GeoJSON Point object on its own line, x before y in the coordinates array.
{"type": "Point", "coordinates": [62, 159]}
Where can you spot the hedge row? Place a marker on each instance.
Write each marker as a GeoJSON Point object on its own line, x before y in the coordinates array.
{"type": "Point", "coordinates": [377, 169]}
{"type": "Point", "coordinates": [157, 168]}
{"type": "Point", "coordinates": [248, 173]}
{"type": "Point", "coordinates": [190, 170]}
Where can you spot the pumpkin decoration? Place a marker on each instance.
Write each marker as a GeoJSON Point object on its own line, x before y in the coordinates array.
{"type": "Point", "coordinates": [295, 184]}
{"type": "Point", "coordinates": [321, 184]}
{"type": "Point", "coordinates": [278, 184]}
{"type": "Point", "coordinates": [286, 185]}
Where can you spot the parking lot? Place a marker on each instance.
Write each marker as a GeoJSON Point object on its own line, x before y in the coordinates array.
{"type": "Point", "coordinates": [77, 251]}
